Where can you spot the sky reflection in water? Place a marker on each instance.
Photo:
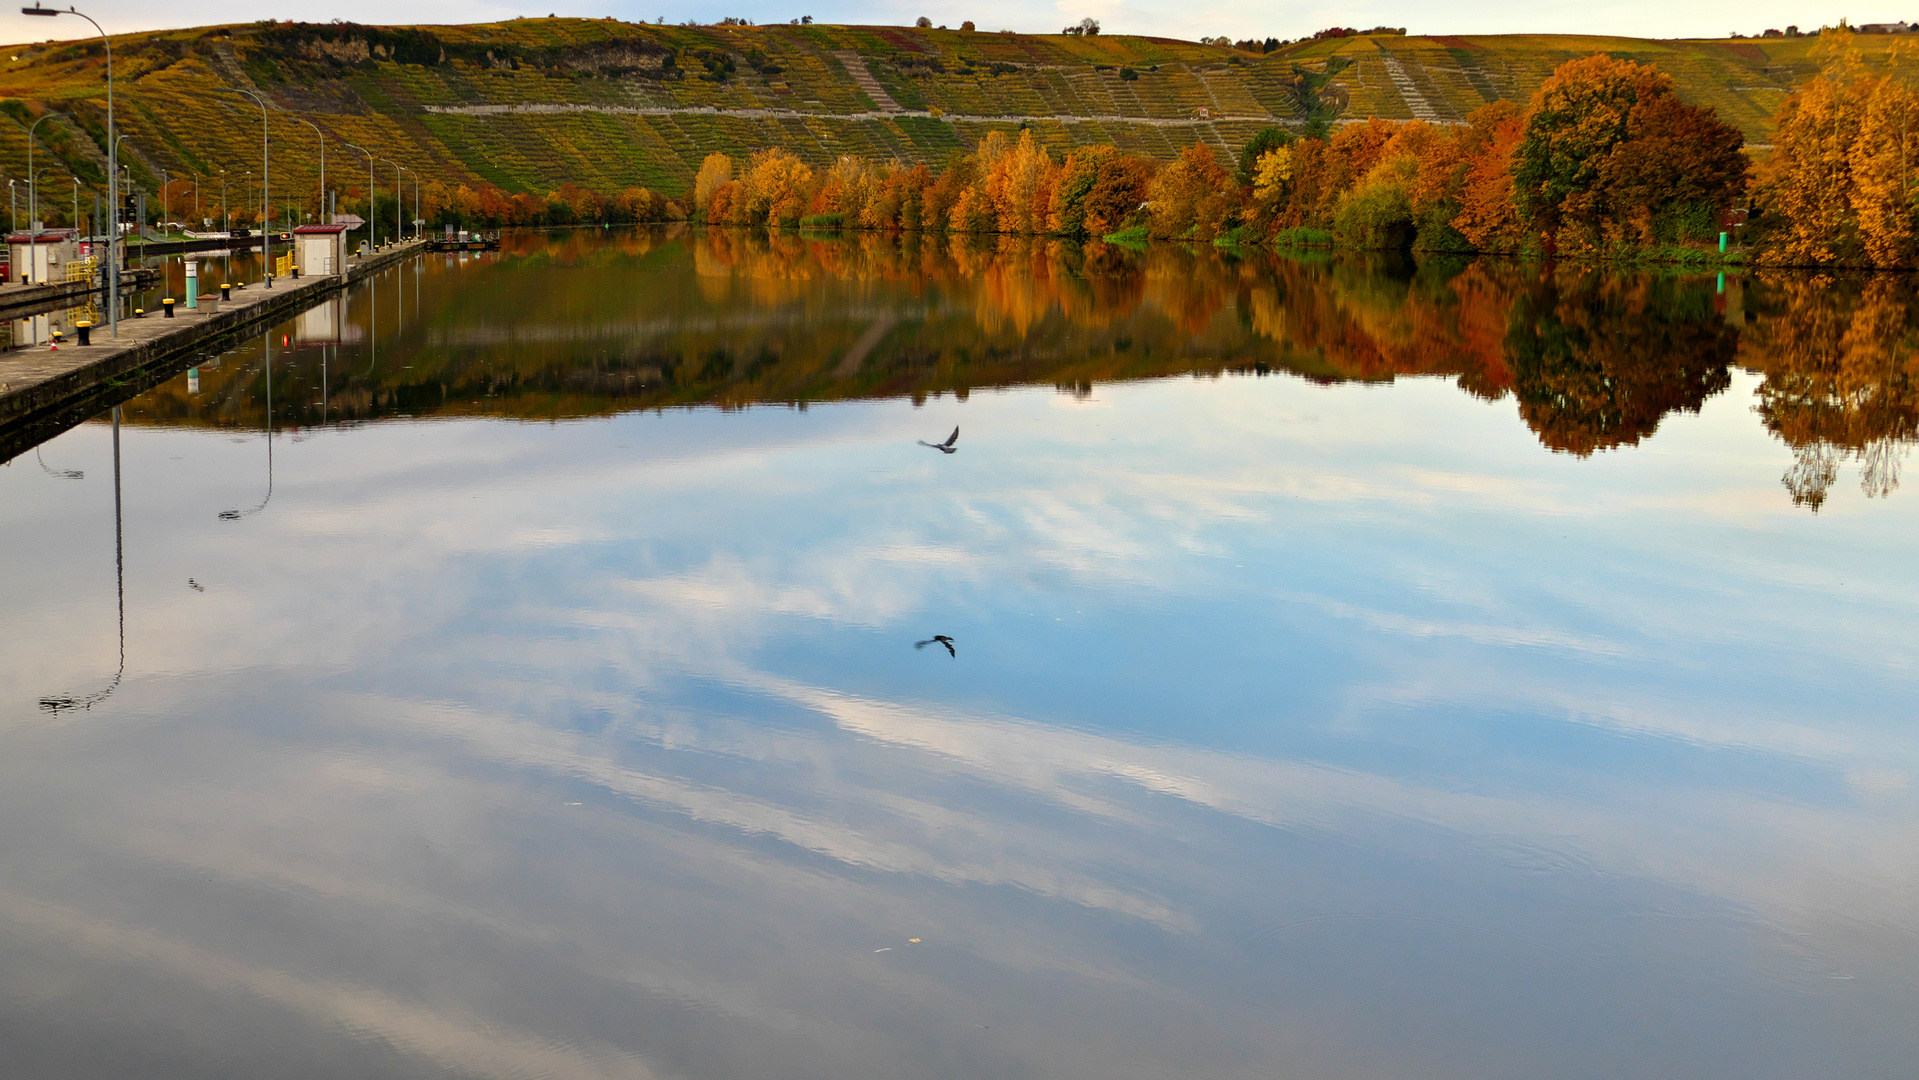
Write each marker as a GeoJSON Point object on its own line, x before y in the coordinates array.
{"type": "Point", "coordinates": [1296, 728]}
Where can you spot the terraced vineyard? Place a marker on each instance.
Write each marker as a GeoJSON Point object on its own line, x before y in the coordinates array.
{"type": "Point", "coordinates": [531, 103]}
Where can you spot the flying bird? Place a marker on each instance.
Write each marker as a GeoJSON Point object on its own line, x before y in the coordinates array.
{"type": "Point", "coordinates": [196, 586]}
{"type": "Point", "coordinates": [946, 447]}
{"type": "Point", "coordinates": [941, 638]}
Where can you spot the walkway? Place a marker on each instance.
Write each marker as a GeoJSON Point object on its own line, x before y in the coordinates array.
{"type": "Point", "coordinates": [41, 387]}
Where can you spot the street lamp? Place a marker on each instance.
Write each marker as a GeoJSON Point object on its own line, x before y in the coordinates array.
{"type": "Point", "coordinates": [137, 226]}
{"type": "Point", "coordinates": [372, 222]}
{"type": "Point", "coordinates": [416, 202]}
{"type": "Point", "coordinates": [399, 200]}
{"type": "Point", "coordinates": [113, 174]}
{"type": "Point", "coordinates": [266, 184]}
{"type": "Point", "coordinates": [33, 204]}
{"type": "Point", "coordinates": [322, 137]}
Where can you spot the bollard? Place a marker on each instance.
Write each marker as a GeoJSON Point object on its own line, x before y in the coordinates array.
{"type": "Point", "coordinates": [1722, 243]}
{"type": "Point", "coordinates": [226, 291]}
{"type": "Point", "coordinates": [56, 339]}
{"type": "Point", "coordinates": [139, 313]}
{"type": "Point", "coordinates": [167, 305]}
{"type": "Point", "coordinates": [296, 272]}
{"type": "Point", "coordinates": [86, 331]}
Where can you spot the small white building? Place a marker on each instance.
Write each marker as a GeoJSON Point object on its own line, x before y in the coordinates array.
{"type": "Point", "coordinates": [320, 250]}
{"type": "Point", "coordinates": [41, 255]}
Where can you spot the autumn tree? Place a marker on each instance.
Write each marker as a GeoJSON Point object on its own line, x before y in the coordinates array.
{"type": "Point", "coordinates": [775, 189]}
{"type": "Point", "coordinates": [1609, 154]}
{"type": "Point", "coordinates": [1264, 140]}
{"type": "Point", "coordinates": [1487, 217]}
{"type": "Point", "coordinates": [1193, 197]}
{"type": "Point", "coordinates": [1840, 184]}
{"type": "Point", "coordinates": [716, 170]}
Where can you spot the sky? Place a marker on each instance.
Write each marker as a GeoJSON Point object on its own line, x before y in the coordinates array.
{"type": "Point", "coordinates": [1163, 18]}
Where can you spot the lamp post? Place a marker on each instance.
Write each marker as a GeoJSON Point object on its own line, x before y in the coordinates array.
{"type": "Point", "coordinates": [129, 185]}
{"type": "Point", "coordinates": [322, 137]}
{"type": "Point", "coordinates": [399, 201]}
{"type": "Point", "coordinates": [33, 203]}
{"type": "Point", "coordinates": [416, 203]}
{"type": "Point", "coordinates": [113, 173]}
{"type": "Point", "coordinates": [13, 208]}
{"type": "Point", "coordinates": [266, 187]}
{"type": "Point", "coordinates": [372, 223]}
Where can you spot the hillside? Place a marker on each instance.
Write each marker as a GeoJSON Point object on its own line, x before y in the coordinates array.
{"type": "Point", "coordinates": [531, 103]}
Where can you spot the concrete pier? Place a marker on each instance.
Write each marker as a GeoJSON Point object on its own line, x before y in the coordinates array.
{"type": "Point", "coordinates": [44, 390]}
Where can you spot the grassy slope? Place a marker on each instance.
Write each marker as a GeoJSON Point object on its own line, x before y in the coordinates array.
{"type": "Point", "coordinates": [165, 83]}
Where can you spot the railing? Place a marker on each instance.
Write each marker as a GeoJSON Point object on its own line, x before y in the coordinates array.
{"type": "Point", "coordinates": [283, 266]}
{"type": "Point", "coordinates": [82, 269]}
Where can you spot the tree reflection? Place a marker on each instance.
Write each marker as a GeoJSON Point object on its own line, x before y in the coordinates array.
{"type": "Point", "coordinates": [574, 324]}
{"type": "Point", "coordinates": [1599, 360]}
{"type": "Point", "coordinates": [1841, 366]}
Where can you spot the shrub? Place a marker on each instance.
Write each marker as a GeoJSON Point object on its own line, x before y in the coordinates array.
{"type": "Point", "coordinates": [1303, 236]}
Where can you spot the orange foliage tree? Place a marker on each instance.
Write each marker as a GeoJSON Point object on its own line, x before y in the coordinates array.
{"type": "Point", "coordinates": [1611, 156]}
{"type": "Point", "coordinates": [1840, 187]}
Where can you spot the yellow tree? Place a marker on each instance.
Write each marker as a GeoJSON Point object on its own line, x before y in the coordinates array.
{"type": "Point", "coordinates": [715, 171]}
{"type": "Point", "coordinates": [1018, 184]}
{"type": "Point", "coordinates": [775, 189]}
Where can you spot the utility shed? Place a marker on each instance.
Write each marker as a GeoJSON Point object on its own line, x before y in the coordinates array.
{"type": "Point", "coordinates": [42, 256]}
{"type": "Point", "coordinates": [320, 250]}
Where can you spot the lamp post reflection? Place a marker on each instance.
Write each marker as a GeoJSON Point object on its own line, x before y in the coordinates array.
{"type": "Point", "coordinates": [66, 702]}
{"type": "Point", "coordinates": [235, 515]}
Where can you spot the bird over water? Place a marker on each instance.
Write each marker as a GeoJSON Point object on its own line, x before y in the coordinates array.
{"type": "Point", "coordinates": [946, 447]}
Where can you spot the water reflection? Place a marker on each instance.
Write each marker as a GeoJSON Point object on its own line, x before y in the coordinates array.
{"type": "Point", "coordinates": [1318, 725]}
{"type": "Point", "coordinates": [267, 366]}
{"type": "Point", "coordinates": [576, 325]}
{"type": "Point", "coordinates": [58, 703]}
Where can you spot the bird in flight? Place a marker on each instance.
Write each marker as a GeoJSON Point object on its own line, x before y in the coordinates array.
{"type": "Point", "coordinates": [940, 638]}
{"type": "Point", "coordinates": [946, 447]}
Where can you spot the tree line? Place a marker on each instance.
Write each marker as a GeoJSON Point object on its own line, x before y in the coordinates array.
{"type": "Point", "coordinates": [1605, 158]}
{"type": "Point", "coordinates": [1604, 161]}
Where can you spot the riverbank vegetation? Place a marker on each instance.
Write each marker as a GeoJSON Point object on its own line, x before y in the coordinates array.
{"type": "Point", "coordinates": [1605, 161]}
{"type": "Point", "coordinates": [1605, 158]}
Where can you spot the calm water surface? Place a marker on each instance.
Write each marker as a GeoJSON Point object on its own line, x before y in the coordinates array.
{"type": "Point", "coordinates": [1356, 671]}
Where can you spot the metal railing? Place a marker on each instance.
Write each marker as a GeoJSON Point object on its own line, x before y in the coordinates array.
{"type": "Point", "coordinates": [82, 269]}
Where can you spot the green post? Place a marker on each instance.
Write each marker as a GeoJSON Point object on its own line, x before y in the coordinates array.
{"type": "Point", "coordinates": [1722, 243]}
